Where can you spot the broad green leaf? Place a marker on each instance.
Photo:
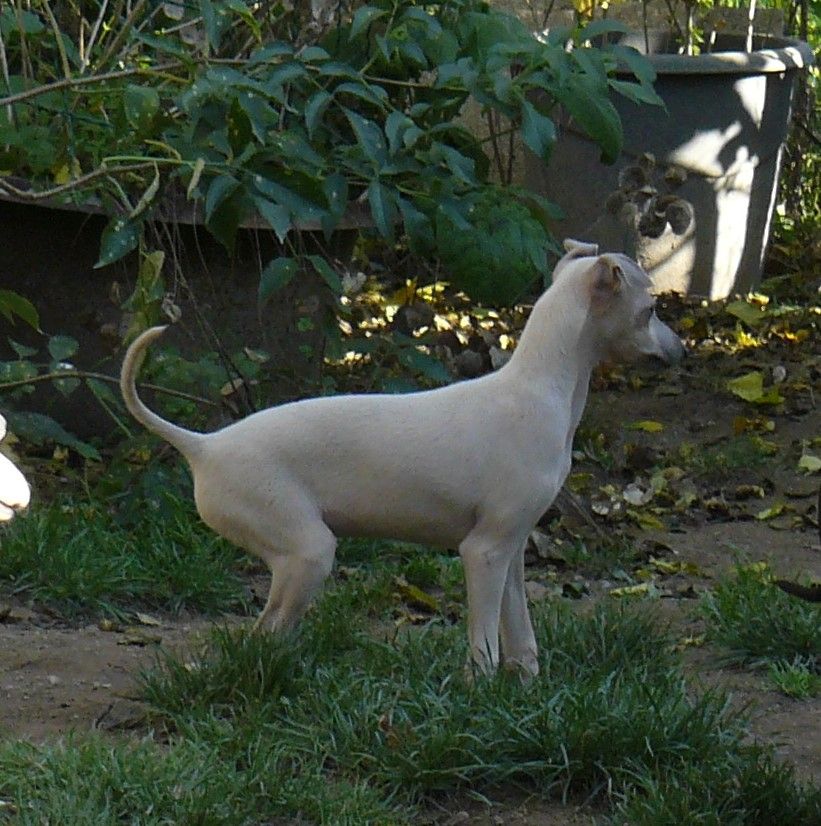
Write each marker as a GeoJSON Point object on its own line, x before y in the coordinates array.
{"type": "Point", "coordinates": [13, 304]}
{"type": "Point", "coordinates": [164, 44]}
{"type": "Point", "coordinates": [600, 27]}
{"type": "Point", "coordinates": [750, 314]}
{"type": "Point", "coordinates": [538, 131]}
{"type": "Point", "coordinates": [369, 137]}
{"type": "Point", "coordinates": [219, 189]}
{"type": "Point", "coordinates": [335, 187]}
{"type": "Point", "coordinates": [417, 226]}
{"type": "Point", "coordinates": [327, 273]}
{"type": "Point", "coordinates": [362, 18]}
{"type": "Point", "coordinates": [39, 429]}
{"type": "Point", "coordinates": [216, 19]}
{"type": "Point", "coordinates": [638, 63]}
{"type": "Point", "coordinates": [583, 98]}
{"type": "Point", "coordinates": [14, 19]}
{"type": "Point", "coordinates": [636, 92]}
{"type": "Point", "coordinates": [428, 366]}
{"type": "Point", "coordinates": [61, 348]}
{"type": "Point", "coordinates": [462, 167]}
{"type": "Point", "coordinates": [299, 207]}
{"type": "Point", "coordinates": [383, 207]}
{"type": "Point", "coordinates": [284, 73]}
{"type": "Point", "coordinates": [22, 350]}
{"type": "Point", "coordinates": [276, 215]}
{"type": "Point", "coordinates": [314, 54]}
{"type": "Point", "coordinates": [238, 127]}
{"type": "Point", "coordinates": [372, 94]}
{"type": "Point", "coordinates": [119, 238]}
{"type": "Point", "coordinates": [275, 276]}
{"type": "Point", "coordinates": [270, 51]}
{"type": "Point", "coordinates": [224, 209]}
{"type": "Point", "coordinates": [395, 125]}
{"type": "Point", "coordinates": [140, 104]}
{"type": "Point", "coordinates": [315, 109]}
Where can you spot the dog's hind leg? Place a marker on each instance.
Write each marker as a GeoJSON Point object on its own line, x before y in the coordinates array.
{"type": "Point", "coordinates": [519, 648]}
{"type": "Point", "coordinates": [296, 577]}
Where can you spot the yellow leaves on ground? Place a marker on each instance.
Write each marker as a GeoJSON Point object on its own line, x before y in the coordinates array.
{"type": "Point", "coordinates": [750, 387]}
{"type": "Point", "coordinates": [647, 425]}
{"type": "Point", "coordinates": [745, 424]}
{"type": "Point", "coordinates": [809, 463]}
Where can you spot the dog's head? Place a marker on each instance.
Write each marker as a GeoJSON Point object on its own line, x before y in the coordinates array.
{"type": "Point", "coordinates": [621, 304]}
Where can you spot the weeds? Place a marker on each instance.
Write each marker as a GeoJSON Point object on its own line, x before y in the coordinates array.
{"type": "Point", "coordinates": [397, 713]}
{"type": "Point", "coordinates": [758, 623]}
{"type": "Point", "coordinates": [798, 679]}
{"type": "Point", "coordinates": [81, 560]}
{"type": "Point", "coordinates": [354, 721]}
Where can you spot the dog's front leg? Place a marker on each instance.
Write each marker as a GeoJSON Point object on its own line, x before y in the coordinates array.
{"type": "Point", "coordinates": [519, 648]}
{"type": "Point", "coordinates": [486, 557]}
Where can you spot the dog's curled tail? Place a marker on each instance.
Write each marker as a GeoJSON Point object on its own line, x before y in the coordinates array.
{"type": "Point", "coordinates": [186, 441]}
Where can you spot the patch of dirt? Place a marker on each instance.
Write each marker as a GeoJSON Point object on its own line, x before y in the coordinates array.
{"type": "Point", "coordinates": [56, 678]}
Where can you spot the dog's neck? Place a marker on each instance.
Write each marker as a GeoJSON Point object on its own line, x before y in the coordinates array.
{"type": "Point", "coordinates": [558, 350]}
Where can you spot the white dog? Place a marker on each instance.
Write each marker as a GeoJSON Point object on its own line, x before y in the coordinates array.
{"type": "Point", "coordinates": [14, 489]}
{"type": "Point", "coordinates": [470, 466]}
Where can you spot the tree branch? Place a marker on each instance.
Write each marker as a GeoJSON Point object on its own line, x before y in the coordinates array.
{"type": "Point", "coordinates": [83, 374]}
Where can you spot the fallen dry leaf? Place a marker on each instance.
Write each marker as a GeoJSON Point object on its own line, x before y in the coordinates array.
{"type": "Point", "coordinates": [647, 425]}
{"type": "Point", "coordinates": [809, 463]}
{"type": "Point", "coordinates": [750, 387]}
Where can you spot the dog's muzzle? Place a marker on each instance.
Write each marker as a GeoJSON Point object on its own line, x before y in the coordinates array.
{"type": "Point", "coordinates": [670, 348]}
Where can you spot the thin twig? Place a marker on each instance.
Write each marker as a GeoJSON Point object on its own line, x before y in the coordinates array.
{"type": "Point", "coordinates": [83, 374]}
{"type": "Point", "coordinates": [4, 66]}
{"type": "Point", "coordinates": [85, 81]}
{"type": "Point", "coordinates": [58, 38]}
{"type": "Point", "coordinates": [28, 195]}
{"type": "Point", "coordinates": [570, 499]}
{"type": "Point", "coordinates": [92, 38]}
{"type": "Point", "coordinates": [123, 33]}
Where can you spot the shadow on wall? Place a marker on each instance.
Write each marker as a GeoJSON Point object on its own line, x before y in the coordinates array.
{"type": "Point", "coordinates": [725, 123]}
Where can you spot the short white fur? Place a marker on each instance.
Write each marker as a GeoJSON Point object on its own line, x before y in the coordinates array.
{"type": "Point", "coordinates": [470, 466]}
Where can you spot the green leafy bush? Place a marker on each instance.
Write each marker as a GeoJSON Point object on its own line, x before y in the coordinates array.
{"type": "Point", "coordinates": [242, 110]}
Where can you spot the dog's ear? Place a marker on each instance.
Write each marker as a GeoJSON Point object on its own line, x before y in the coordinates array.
{"type": "Point", "coordinates": [607, 279]}
{"type": "Point", "coordinates": [578, 249]}
{"type": "Point", "coordinates": [574, 250]}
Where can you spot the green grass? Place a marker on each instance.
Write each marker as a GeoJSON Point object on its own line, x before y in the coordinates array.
{"type": "Point", "coordinates": [615, 556]}
{"type": "Point", "coordinates": [225, 779]}
{"type": "Point", "coordinates": [363, 717]}
{"type": "Point", "coordinates": [747, 452]}
{"type": "Point", "coordinates": [798, 679]}
{"type": "Point", "coordinates": [81, 560]}
{"type": "Point", "coordinates": [353, 721]}
{"type": "Point", "coordinates": [609, 714]}
{"type": "Point", "coordinates": [757, 623]}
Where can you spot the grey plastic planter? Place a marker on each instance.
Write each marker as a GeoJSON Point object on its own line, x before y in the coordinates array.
{"type": "Point", "coordinates": [725, 125]}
